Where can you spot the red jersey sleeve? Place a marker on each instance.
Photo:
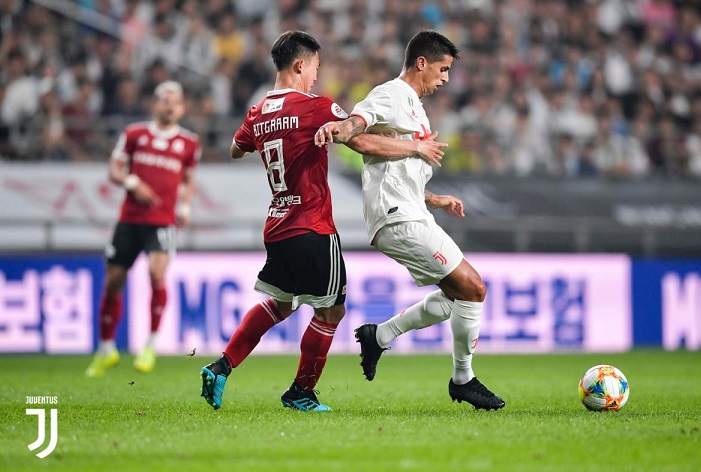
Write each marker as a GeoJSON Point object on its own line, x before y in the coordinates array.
{"type": "Point", "coordinates": [194, 158]}
{"type": "Point", "coordinates": [243, 138]}
{"type": "Point", "coordinates": [125, 146]}
{"type": "Point", "coordinates": [327, 110]}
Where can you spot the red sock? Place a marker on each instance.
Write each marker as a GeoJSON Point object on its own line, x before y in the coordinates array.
{"type": "Point", "coordinates": [159, 297]}
{"type": "Point", "coordinates": [110, 315]}
{"type": "Point", "coordinates": [255, 324]}
{"type": "Point", "coordinates": [315, 346]}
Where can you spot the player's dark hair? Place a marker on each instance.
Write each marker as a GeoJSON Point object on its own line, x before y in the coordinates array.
{"type": "Point", "coordinates": [431, 45]}
{"type": "Point", "coordinates": [290, 46]}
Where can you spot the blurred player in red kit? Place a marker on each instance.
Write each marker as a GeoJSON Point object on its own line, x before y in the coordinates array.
{"type": "Point", "coordinates": [154, 161]}
{"type": "Point", "coordinates": [304, 262]}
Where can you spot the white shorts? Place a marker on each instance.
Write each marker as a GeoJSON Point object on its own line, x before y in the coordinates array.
{"type": "Point", "coordinates": [422, 247]}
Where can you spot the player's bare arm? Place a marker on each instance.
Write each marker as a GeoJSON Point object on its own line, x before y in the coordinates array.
{"type": "Point", "coordinates": [428, 149]}
{"type": "Point", "coordinates": [235, 152]}
{"type": "Point", "coordinates": [339, 131]}
{"type": "Point", "coordinates": [142, 192]}
{"type": "Point", "coordinates": [448, 203]}
{"type": "Point", "coordinates": [184, 208]}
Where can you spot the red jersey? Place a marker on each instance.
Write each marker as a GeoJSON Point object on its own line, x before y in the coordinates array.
{"type": "Point", "coordinates": [160, 159]}
{"type": "Point", "coordinates": [281, 128]}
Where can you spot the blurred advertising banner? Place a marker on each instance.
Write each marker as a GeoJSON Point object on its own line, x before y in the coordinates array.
{"type": "Point", "coordinates": [49, 304]}
{"type": "Point", "coordinates": [535, 303]}
{"type": "Point", "coordinates": [666, 297]}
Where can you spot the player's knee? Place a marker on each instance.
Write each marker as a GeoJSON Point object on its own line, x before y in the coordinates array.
{"type": "Point", "coordinates": [114, 282]}
{"type": "Point", "coordinates": [482, 290]}
{"type": "Point", "coordinates": [284, 309]}
{"type": "Point", "coordinates": [157, 282]}
{"type": "Point", "coordinates": [157, 278]}
{"type": "Point", "coordinates": [332, 315]}
{"type": "Point", "coordinates": [472, 289]}
{"type": "Point", "coordinates": [112, 288]}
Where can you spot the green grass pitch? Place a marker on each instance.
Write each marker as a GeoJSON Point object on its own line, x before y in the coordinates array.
{"type": "Point", "coordinates": [403, 420]}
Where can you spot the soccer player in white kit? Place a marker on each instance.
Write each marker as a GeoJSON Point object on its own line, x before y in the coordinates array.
{"type": "Point", "coordinates": [395, 206]}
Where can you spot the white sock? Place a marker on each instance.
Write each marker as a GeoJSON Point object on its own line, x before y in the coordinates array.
{"type": "Point", "coordinates": [465, 324]}
{"type": "Point", "coordinates": [151, 342]}
{"type": "Point", "coordinates": [433, 309]}
{"type": "Point", "coordinates": [106, 346]}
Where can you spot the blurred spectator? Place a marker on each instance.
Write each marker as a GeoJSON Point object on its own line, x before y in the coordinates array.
{"type": "Point", "coordinates": [221, 85]}
{"type": "Point", "coordinates": [658, 12]}
{"type": "Point", "coordinates": [20, 102]}
{"type": "Point", "coordinates": [127, 104]}
{"type": "Point", "coordinates": [693, 147]}
{"type": "Point", "coordinates": [80, 132]}
{"type": "Point", "coordinates": [465, 153]}
{"type": "Point", "coordinates": [48, 124]}
{"type": "Point", "coordinates": [609, 149]}
{"type": "Point", "coordinates": [155, 74]}
{"type": "Point", "coordinates": [199, 53]}
{"type": "Point", "coordinates": [228, 42]}
{"type": "Point", "coordinates": [117, 70]}
{"type": "Point", "coordinates": [134, 24]}
{"type": "Point", "coordinates": [666, 149]}
{"type": "Point", "coordinates": [567, 158]}
{"type": "Point", "coordinates": [21, 93]}
{"type": "Point", "coordinates": [164, 47]}
{"type": "Point", "coordinates": [587, 162]}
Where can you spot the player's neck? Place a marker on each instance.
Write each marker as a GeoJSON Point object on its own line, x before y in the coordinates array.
{"type": "Point", "coordinates": [164, 126]}
{"type": "Point", "coordinates": [289, 81]}
{"type": "Point", "coordinates": [413, 82]}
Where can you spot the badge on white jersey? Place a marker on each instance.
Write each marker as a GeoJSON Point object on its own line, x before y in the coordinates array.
{"type": "Point", "coordinates": [272, 104]}
{"type": "Point", "coordinates": [338, 111]}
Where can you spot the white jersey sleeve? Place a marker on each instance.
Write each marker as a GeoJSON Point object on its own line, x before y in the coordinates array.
{"type": "Point", "coordinates": [376, 108]}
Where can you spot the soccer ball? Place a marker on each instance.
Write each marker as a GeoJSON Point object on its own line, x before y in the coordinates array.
{"type": "Point", "coordinates": [603, 388]}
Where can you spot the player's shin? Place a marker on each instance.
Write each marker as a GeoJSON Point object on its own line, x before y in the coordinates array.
{"type": "Point", "coordinates": [110, 316]}
{"type": "Point", "coordinates": [257, 321]}
{"type": "Point", "coordinates": [159, 298]}
{"type": "Point", "coordinates": [433, 309]}
{"type": "Point", "coordinates": [315, 346]}
{"type": "Point", "coordinates": [465, 325]}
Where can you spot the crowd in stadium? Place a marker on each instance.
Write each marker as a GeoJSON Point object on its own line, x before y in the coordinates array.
{"type": "Point", "coordinates": [543, 87]}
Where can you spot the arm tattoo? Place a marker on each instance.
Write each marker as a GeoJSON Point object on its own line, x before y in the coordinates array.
{"type": "Point", "coordinates": [349, 129]}
{"type": "Point", "coordinates": [358, 126]}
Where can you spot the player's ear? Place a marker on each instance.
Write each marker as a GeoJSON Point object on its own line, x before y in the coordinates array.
{"type": "Point", "coordinates": [421, 63]}
{"type": "Point", "coordinates": [298, 65]}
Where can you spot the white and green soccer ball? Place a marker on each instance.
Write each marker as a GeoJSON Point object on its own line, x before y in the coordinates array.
{"type": "Point", "coordinates": [603, 388]}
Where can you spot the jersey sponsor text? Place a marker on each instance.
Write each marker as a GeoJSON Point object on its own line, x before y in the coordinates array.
{"type": "Point", "coordinates": [149, 159]}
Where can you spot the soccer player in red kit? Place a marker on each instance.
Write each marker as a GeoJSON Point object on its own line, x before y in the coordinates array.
{"type": "Point", "coordinates": [152, 161]}
{"type": "Point", "coordinates": [304, 262]}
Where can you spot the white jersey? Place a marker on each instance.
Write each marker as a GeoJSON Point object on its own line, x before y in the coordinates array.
{"type": "Point", "coordinates": [393, 190]}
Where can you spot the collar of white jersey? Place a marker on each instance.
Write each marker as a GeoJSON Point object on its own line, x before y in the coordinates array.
{"type": "Point", "coordinates": [163, 134]}
{"type": "Point", "coordinates": [409, 87]}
